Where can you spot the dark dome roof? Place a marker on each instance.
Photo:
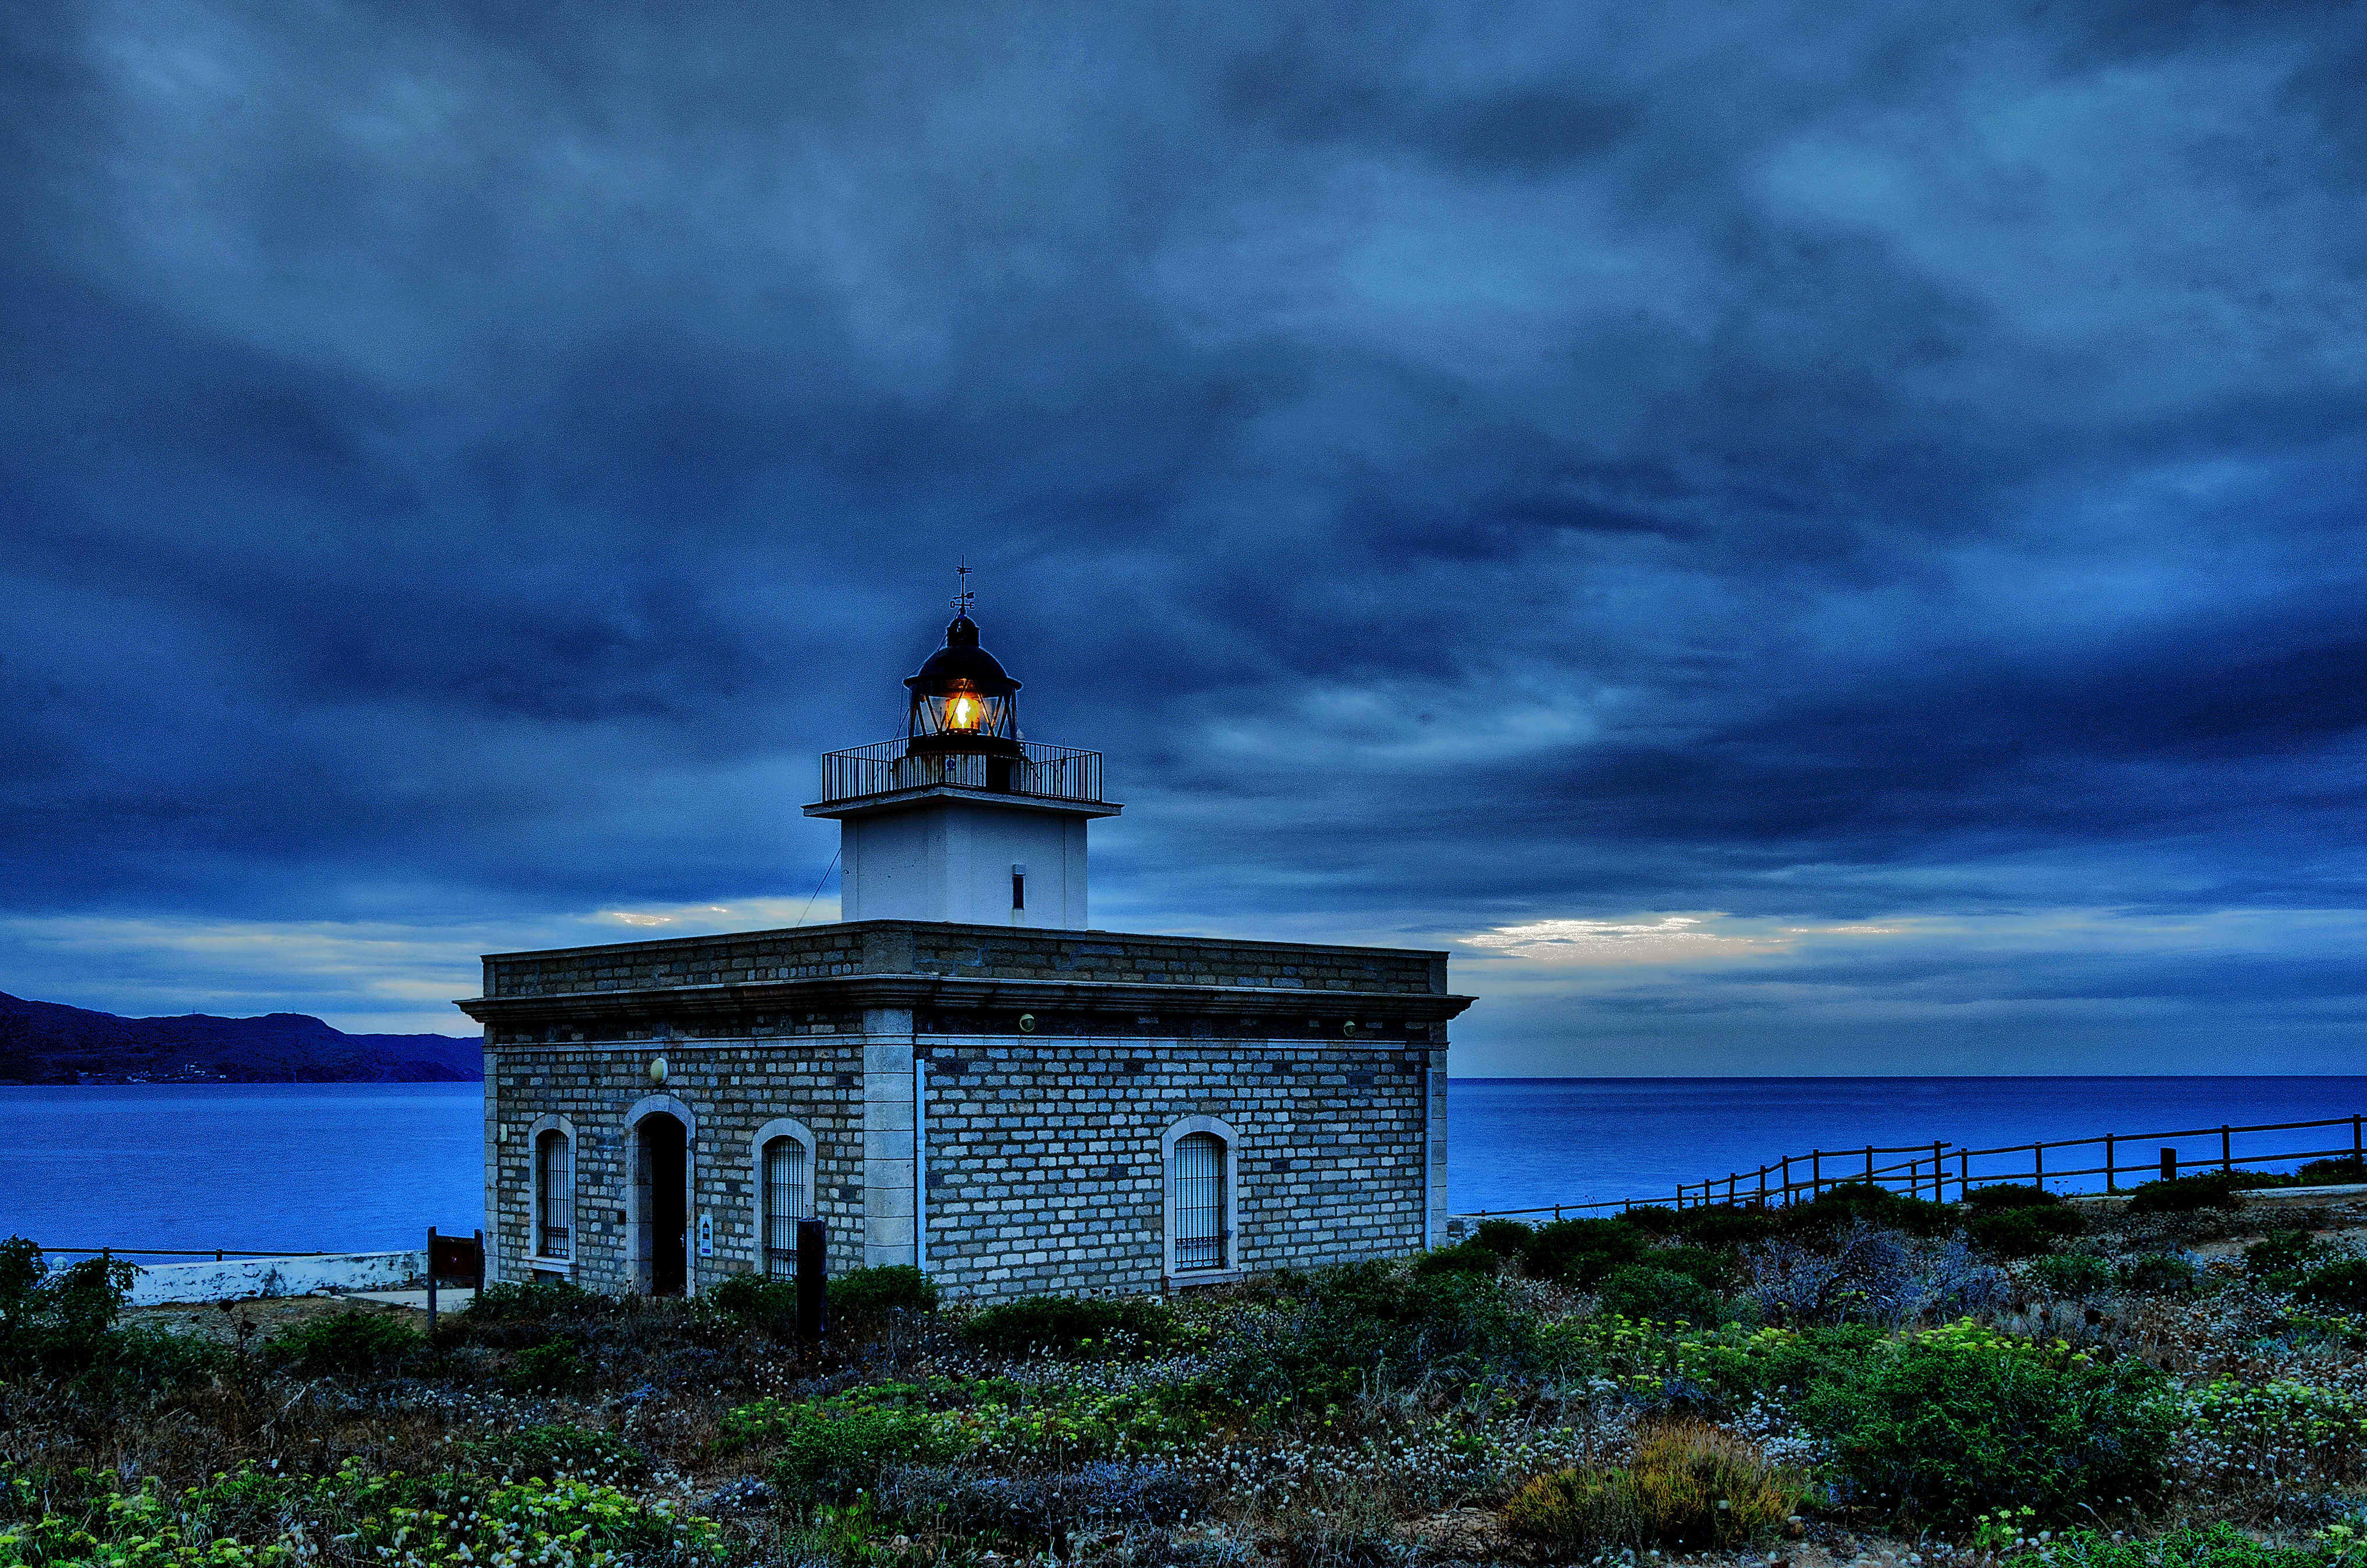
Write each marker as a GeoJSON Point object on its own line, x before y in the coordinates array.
{"type": "Point", "coordinates": [961, 659]}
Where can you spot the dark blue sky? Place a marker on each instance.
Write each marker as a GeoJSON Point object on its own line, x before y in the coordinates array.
{"type": "Point", "coordinates": [1802, 537]}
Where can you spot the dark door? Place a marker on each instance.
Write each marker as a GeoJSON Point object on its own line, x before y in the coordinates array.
{"type": "Point", "coordinates": [665, 1213]}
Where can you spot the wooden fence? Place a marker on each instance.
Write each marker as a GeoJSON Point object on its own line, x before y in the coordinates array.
{"type": "Point", "coordinates": [1935, 1169]}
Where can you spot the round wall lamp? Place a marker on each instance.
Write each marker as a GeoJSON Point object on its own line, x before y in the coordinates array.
{"type": "Point", "coordinates": [1026, 1023]}
{"type": "Point", "coordinates": [657, 1069]}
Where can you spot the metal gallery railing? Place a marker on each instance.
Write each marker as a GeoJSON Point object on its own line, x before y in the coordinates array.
{"type": "Point", "coordinates": [1939, 1169]}
{"type": "Point", "coordinates": [1055, 773]}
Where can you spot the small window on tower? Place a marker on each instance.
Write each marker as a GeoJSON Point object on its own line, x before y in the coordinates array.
{"type": "Point", "coordinates": [1018, 887]}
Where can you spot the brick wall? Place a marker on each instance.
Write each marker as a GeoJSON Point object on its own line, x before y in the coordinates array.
{"type": "Point", "coordinates": [1044, 1157]}
{"type": "Point", "coordinates": [730, 1090]}
{"type": "Point", "coordinates": [1046, 1170]}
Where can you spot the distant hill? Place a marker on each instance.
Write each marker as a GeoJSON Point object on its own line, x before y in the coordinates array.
{"type": "Point", "coordinates": [42, 1042]}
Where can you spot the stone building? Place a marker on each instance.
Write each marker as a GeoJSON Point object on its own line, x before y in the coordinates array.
{"type": "Point", "coordinates": [962, 1075]}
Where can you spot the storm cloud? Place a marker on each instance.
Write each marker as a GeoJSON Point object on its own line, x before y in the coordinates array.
{"type": "Point", "coordinates": [1781, 465]}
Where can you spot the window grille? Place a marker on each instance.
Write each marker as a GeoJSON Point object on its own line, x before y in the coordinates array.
{"type": "Point", "coordinates": [1199, 1176]}
{"type": "Point", "coordinates": [554, 1184]}
{"type": "Point", "coordinates": [784, 1204]}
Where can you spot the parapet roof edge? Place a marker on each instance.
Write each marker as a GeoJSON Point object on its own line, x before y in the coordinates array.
{"type": "Point", "coordinates": [651, 943]}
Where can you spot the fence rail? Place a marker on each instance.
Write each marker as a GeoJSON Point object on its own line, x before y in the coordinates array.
{"type": "Point", "coordinates": [1934, 1169]}
{"type": "Point", "coordinates": [1058, 773]}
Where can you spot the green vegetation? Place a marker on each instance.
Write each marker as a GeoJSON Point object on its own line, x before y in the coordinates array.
{"type": "Point", "coordinates": [2024, 1232]}
{"type": "Point", "coordinates": [350, 1344]}
{"type": "Point", "coordinates": [1072, 1326]}
{"type": "Point", "coordinates": [1712, 1380]}
{"type": "Point", "coordinates": [1945, 1423]}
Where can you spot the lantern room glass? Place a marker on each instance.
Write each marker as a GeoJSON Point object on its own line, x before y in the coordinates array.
{"type": "Point", "coordinates": [961, 713]}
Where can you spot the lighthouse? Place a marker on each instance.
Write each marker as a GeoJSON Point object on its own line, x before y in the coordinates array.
{"type": "Point", "coordinates": [962, 820]}
{"type": "Point", "coordinates": [960, 1075]}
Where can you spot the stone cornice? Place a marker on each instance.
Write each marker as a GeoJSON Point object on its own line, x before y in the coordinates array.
{"type": "Point", "coordinates": [958, 993]}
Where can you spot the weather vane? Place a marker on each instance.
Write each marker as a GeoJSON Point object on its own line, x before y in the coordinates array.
{"type": "Point", "coordinates": [964, 599]}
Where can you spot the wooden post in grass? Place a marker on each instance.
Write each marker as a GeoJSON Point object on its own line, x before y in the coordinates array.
{"type": "Point", "coordinates": [2109, 1173]}
{"type": "Point", "coordinates": [1938, 1173]}
{"type": "Point", "coordinates": [813, 1280]}
{"type": "Point", "coordinates": [2170, 1165]}
{"type": "Point", "coordinates": [2227, 1149]}
{"type": "Point", "coordinates": [2038, 1167]}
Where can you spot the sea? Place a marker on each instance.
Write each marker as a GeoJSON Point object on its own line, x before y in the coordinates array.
{"type": "Point", "coordinates": [339, 1167]}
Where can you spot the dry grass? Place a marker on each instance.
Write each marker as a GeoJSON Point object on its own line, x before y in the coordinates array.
{"type": "Point", "coordinates": [1691, 1486]}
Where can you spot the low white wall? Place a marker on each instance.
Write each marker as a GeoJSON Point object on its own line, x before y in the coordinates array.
{"type": "Point", "coordinates": [237, 1279]}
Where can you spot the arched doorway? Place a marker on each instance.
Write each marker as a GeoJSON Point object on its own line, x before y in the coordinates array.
{"type": "Point", "coordinates": [660, 1182]}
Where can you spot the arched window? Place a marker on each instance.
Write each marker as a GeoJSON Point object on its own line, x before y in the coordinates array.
{"type": "Point", "coordinates": [554, 1194]}
{"type": "Point", "coordinates": [784, 1155]}
{"type": "Point", "coordinates": [785, 1203]}
{"type": "Point", "coordinates": [1201, 1204]}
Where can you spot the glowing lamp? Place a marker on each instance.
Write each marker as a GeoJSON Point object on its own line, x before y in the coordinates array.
{"type": "Point", "coordinates": [962, 701]}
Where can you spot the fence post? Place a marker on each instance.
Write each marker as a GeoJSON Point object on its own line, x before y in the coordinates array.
{"type": "Point", "coordinates": [2358, 1149]}
{"type": "Point", "coordinates": [2170, 1165]}
{"type": "Point", "coordinates": [1763, 1186]}
{"type": "Point", "coordinates": [1816, 1175]}
{"type": "Point", "coordinates": [1963, 1173]}
{"type": "Point", "coordinates": [814, 1280]}
{"type": "Point", "coordinates": [1869, 1165]}
{"type": "Point", "coordinates": [1938, 1173]}
{"type": "Point", "coordinates": [2038, 1167]}
{"type": "Point", "coordinates": [2108, 1163]}
{"type": "Point", "coordinates": [2227, 1149]}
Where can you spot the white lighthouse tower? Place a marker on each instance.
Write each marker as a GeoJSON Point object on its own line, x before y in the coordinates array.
{"type": "Point", "coordinates": [961, 820]}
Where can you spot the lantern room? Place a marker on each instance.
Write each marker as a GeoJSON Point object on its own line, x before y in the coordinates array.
{"type": "Point", "coordinates": [962, 701]}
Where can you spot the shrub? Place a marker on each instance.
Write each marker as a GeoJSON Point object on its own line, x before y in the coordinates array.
{"type": "Point", "coordinates": [1711, 1271]}
{"type": "Point", "coordinates": [348, 1345]}
{"type": "Point", "coordinates": [2007, 1196]}
{"type": "Point", "coordinates": [1655, 1219]}
{"type": "Point", "coordinates": [2073, 1274]}
{"type": "Point", "coordinates": [831, 1450]}
{"type": "Point", "coordinates": [2159, 1274]}
{"type": "Point", "coordinates": [2337, 1287]}
{"type": "Point", "coordinates": [1037, 1509]}
{"type": "Point", "coordinates": [1960, 1418]}
{"type": "Point", "coordinates": [868, 1295]}
{"type": "Point", "coordinates": [2283, 1258]}
{"type": "Point", "coordinates": [2344, 1172]}
{"type": "Point", "coordinates": [551, 1452]}
{"type": "Point", "coordinates": [2217, 1545]}
{"type": "Point", "coordinates": [1726, 1228]}
{"type": "Point", "coordinates": [60, 1322]}
{"type": "Point", "coordinates": [1580, 1252]}
{"type": "Point", "coordinates": [1072, 1327]}
{"type": "Point", "coordinates": [245, 1519]}
{"type": "Point", "coordinates": [508, 1300]}
{"type": "Point", "coordinates": [1687, 1486]}
{"type": "Point", "coordinates": [1836, 1207]}
{"type": "Point", "coordinates": [2184, 1195]}
{"type": "Point", "coordinates": [1323, 1337]}
{"type": "Point", "coordinates": [1468, 1258]}
{"type": "Point", "coordinates": [1865, 1275]}
{"type": "Point", "coordinates": [1650, 1294]}
{"type": "Point", "coordinates": [1505, 1238]}
{"type": "Point", "coordinates": [553, 1367]}
{"type": "Point", "coordinates": [2023, 1233]}
{"type": "Point", "coordinates": [757, 1300]}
